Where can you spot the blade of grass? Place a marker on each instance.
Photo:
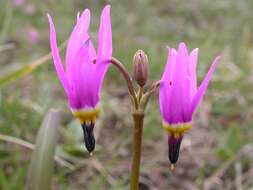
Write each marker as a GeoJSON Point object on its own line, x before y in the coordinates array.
{"type": "Point", "coordinates": [42, 163]}
{"type": "Point", "coordinates": [26, 69]}
{"type": "Point", "coordinates": [7, 21]}
{"type": "Point", "coordinates": [31, 146]}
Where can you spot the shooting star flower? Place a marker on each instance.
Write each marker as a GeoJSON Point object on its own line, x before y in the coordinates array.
{"type": "Point", "coordinates": [83, 75]}
{"type": "Point", "coordinates": [179, 96]}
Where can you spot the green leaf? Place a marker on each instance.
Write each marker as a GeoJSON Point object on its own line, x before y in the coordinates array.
{"type": "Point", "coordinates": [41, 167]}
{"type": "Point", "coordinates": [231, 142]}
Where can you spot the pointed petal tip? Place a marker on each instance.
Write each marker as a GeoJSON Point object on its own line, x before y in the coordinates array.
{"type": "Point", "coordinates": [86, 11]}
{"type": "Point", "coordinates": [107, 7]}
{"type": "Point", "coordinates": [56, 56]}
{"type": "Point", "coordinates": [196, 50]}
{"type": "Point", "coordinates": [203, 87]}
{"type": "Point", "coordinates": [194, 55]}
{"type": "Point", "coordinates": [105, 14]}
{"type": "Point", "coordinates": [49, 17]}
{"type": "Point", "coordinates": [77, 16]}
{"type": "Point", "coordinates": [182, 45]}
{"type": "Point", "coordinates": [104, 50]}
{"type": "Point", "coordinates": [85, 14]}
{"type": "Point", "coordinates": [182, 48]}
{"type": "Point", "coordinates": [106, 10]}
{"type": "Point", "coordinates": [216, 60]}
{"type": "Point", "coordinates": [168, 49]}
{"type": "Point", "coordinates": [173, 50]}
{"type": "Point", "coordinates": [51, 23]}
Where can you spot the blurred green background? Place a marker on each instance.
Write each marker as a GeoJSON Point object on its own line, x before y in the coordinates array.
{"type": "Point", "coordinates": [216, 154]}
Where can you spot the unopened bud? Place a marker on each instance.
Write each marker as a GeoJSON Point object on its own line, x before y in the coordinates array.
{"type": "Point", "coordinates": [140, 67]}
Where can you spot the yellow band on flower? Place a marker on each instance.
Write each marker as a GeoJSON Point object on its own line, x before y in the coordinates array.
{"type": "Point", "coordinates": [86, 116]}
{"type": "Point", "coordinates": [177, 130]}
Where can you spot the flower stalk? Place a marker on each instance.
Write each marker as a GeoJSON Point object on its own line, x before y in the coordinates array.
{"type": "Point", "coordinates": [128, 79]}
{"type": "Point", "coordinates": [140, 100]}
{"type": "Point", "coordinates": [138, 118]}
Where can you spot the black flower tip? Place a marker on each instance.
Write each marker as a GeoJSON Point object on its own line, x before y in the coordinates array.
{"type": "Point", "coordinates": [89, 139]}
{"type": "Point", "coordinates": [174, 148]}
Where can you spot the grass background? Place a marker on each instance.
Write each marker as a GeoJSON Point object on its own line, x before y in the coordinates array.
{"type": "Point", "coordinates": [216, 153]}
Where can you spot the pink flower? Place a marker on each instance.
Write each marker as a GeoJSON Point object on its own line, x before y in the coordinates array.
{"type": "Point", "coordinates": [83, 75]}
{"type": "Point", "coordinates": [179, 95]}
{"type": "Point", "coordinates": [32, 35]}
{"type": "Point", "coordinates": [18, 3]}
{"type": "Point", "coordinates": [30, 9]}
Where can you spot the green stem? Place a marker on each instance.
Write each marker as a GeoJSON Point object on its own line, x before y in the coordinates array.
{"type": "Point", "coordinates": [138, 118]}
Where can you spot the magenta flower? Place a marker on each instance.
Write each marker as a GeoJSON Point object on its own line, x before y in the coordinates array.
{"type": "Point", "coordinates": [83, 75]}
{"type": "Point", "coordinates": [32, 35]}
{"type": "Point", "coordinates": [18, 3]}
{"type": "Point", "coordinates": [179, 96]}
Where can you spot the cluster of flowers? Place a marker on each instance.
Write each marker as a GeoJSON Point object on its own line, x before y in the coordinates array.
{"type": "Point", "coordinates": [85, 70]}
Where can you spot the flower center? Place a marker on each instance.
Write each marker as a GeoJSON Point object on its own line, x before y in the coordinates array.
{"type": "Point", "coordinates": [87, 117]}
{"type": "Point", "coordinates": [177, 130]}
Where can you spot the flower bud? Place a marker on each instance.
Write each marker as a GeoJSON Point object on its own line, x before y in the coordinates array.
{"type": "Point", "coordinates": [140, 67]}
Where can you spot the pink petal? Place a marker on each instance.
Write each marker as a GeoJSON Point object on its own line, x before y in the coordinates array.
{"type": "Point", "coordinates": [175, 87]}
{"type": "Point", "coordinates": [18, 3]}
{"type": "Point", "coordinates": [104, 44]}
{"type": "Point", "coordinates": [170, 66]}
{"type": "Point", "coordinates": [203, 87]}
{"type": "Point", "coordinates": [84, 79]}
{"type": "Point", "coordinates": [180, 102]}
{"type": "Point", "coordinates": [165, 100]}
{"type": "Point", "coordinates": [192, 72]}
{"type": "Point", "coordinates": [77, 38]}
{"type": "Point", "coordinates": [56, 57]}
{"type": "Point", "coordinates": [105, 36]}
{"type": "Point", "coordinates": [165, 85]}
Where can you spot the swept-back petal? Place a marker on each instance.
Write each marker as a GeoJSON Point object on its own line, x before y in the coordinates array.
{"type": "Point", "coordinates": [193, 72]}
{"type": "Point", "coordinates": [56, 57]}
{"type": "Point", "coordinates": [77, 38]}
{"type": "Point", "coordinates": [165, 101]}
{"type": "Point", "coordinates": [180, 87]}
{"type": "Point", "coordinates": [84, 80]}
{"type": "Point", "coordinates": [203, 87]}
{"type": "Point", "coordinates": [104, 45]}
{"type": "Point", "coordinates": [105, 36]}
{"type": "Point", "coordinates": [170, 65]}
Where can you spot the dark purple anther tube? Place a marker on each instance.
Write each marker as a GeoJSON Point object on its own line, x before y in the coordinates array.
{"type": "Point", "coordinates": [174, 148]}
